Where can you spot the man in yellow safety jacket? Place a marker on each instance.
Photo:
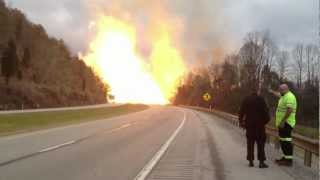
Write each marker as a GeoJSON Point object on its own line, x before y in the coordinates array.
{"type": "Point", "coordinates": [285, 122]}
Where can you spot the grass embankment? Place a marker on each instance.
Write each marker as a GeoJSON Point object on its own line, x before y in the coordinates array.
{"type": "Point", "coordinates": [24, 122]}
{"type": "Point", "coordinates": [306, 131]}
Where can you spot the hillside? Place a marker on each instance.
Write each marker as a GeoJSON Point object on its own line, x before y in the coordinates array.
{"type": "Point", "coordinates": [38, 70]}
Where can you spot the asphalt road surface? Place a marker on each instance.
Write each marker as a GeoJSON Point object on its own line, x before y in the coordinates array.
{"type": "Point", "coordinates": [158, 143]}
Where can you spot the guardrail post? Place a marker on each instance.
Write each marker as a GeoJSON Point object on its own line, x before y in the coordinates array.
{"type": "Point", "coordinates": [307, 158]}
{"type": "Point", "coordinates": [276, 143]}
{"type": "Point", "coordinates": [268, 139]}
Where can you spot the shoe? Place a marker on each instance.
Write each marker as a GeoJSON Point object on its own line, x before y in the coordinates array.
{"type": "Point", "coordinates": [263, 165]}
{"type": "Point", "coordinates": [251, 164]}
{"type": "Point", "coordinates": [285, 162]}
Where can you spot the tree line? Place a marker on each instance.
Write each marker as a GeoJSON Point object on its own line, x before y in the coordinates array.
{"type": "Point", "coordinates": [258, 63]}
{"type": "Point", "coordinates": [40, 71]}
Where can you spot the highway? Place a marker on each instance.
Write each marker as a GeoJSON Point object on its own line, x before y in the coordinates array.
{"type": "Point", "coordinates": [158, 143]}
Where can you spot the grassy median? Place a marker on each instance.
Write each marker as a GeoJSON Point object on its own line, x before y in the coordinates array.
{"type": "Point", "coordinates": [24, 122]}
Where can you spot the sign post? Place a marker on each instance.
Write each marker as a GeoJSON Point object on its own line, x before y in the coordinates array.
{"type": "Point", "coordinates": [207, 97]}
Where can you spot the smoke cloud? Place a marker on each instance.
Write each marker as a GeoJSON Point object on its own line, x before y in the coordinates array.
{"type": "Point", "coordinates": [198, 28]}
{"type": "Point", "coordinates": [204, 28]}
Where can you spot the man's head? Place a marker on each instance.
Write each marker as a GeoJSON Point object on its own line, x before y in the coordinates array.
{"type": "Point", "coordinates": [283, 89]}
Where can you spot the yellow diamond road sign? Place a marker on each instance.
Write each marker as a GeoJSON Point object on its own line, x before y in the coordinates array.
{"type": "Point", "coordinates": [206, 97]}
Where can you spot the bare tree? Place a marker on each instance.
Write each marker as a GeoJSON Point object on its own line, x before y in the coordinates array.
{"type": "Point", "coordinates": [270, 49]}
{"type": "Point", "coordinates": [309, 60]}
{"type": "Point", "coordinates": [282, 63]}
{"type": "Point", "coordinates": [311, 53]}
{"type": "Point", "coordinates": [257, 55]}
{"type": "Point", "coordinates": [298, 57]}
{"type": "Point", "coordinates": [251, 58]}
{"type": "Point", "coordinates": [316, 67]}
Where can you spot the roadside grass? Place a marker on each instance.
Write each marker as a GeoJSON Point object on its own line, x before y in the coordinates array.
{"type": "Point", "coordinates": [306, 131]}
{"type": "Point", "coordinates": [25, 122]}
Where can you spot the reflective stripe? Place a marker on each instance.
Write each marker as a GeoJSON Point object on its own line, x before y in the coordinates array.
{"type": "Point", "coordinates": [280, 110]}
{"type": "Point", "coordinates": [285, 110]}
{"type": "Point", "coordinates": [285, 139]}
{"type": "Point", "coordinates": [288, 157]}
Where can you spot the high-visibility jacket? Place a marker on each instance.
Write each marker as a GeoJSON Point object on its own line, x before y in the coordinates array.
{"type": "Point", "coordinates": [288, 100]}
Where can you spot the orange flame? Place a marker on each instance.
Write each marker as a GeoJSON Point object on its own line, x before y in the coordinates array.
{"type": "Point", "coordinates": [114, 58]}
{"type": "Point", "coordinates": [167, 62]}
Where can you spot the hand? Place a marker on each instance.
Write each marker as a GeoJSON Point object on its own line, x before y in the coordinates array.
{"type": "Point", "coordinates": [282, 124]}
{"type": "Point", "coordinates": [275, 93]}
{"type": "Point", "coordinates": [270, 90]}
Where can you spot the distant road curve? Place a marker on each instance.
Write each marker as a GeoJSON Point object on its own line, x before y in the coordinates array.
{"type": "Point", "coordinates": [59, 109]}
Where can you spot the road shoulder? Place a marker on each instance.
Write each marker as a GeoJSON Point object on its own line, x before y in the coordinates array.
{"type": "Point", "coordinates": [231, 144]}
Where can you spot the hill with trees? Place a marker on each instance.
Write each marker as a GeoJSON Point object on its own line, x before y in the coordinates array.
{"type": "Point", "coordinates": [38, 70]}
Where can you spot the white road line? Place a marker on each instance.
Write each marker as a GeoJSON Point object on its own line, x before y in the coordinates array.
{"type": "Point", "coordinates": [51, 148]}
{"type": "Point", "coordinates": [119, 128]}
{"type": "Point", "coordinates": [56, 147]}
{"type": "Point", "coordinates": [125, 125]}
{"type": "Point", "coordinates": [74, 141]}
{"type": "Point", "coordinates": [151, 164]}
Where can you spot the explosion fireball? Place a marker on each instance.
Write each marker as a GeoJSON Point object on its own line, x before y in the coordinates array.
{"type": "Point", "coordinates": [114, 57]}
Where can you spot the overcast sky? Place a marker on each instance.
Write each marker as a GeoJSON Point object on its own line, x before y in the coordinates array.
{"type": "Point", "coordinates": [289, 21]}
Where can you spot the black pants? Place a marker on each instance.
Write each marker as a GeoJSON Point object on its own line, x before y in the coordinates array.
{"type": "Point", "coordinates": [286, 141]}
{"type": "Point", "coordinates": [250, 148]}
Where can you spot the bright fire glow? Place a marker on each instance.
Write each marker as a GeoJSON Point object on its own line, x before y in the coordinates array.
{"type": "Point", "coordinates": [166, 61]}
{"type": "Point", "coordinates": [114, 58]}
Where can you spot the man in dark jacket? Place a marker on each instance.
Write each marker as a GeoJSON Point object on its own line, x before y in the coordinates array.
{"type": "Point", "coordinates": [253, 116]}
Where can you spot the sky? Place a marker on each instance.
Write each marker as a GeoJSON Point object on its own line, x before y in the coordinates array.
{"type": "Point", "coordinates": [206, 23]}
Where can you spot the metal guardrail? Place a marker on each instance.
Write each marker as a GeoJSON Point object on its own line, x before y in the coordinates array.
{"type": "Point", "coordinates": [309, 145]}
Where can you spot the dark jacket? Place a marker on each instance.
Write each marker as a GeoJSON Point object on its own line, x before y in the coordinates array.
{"type": "Point", "coordinates": [254, 115]}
